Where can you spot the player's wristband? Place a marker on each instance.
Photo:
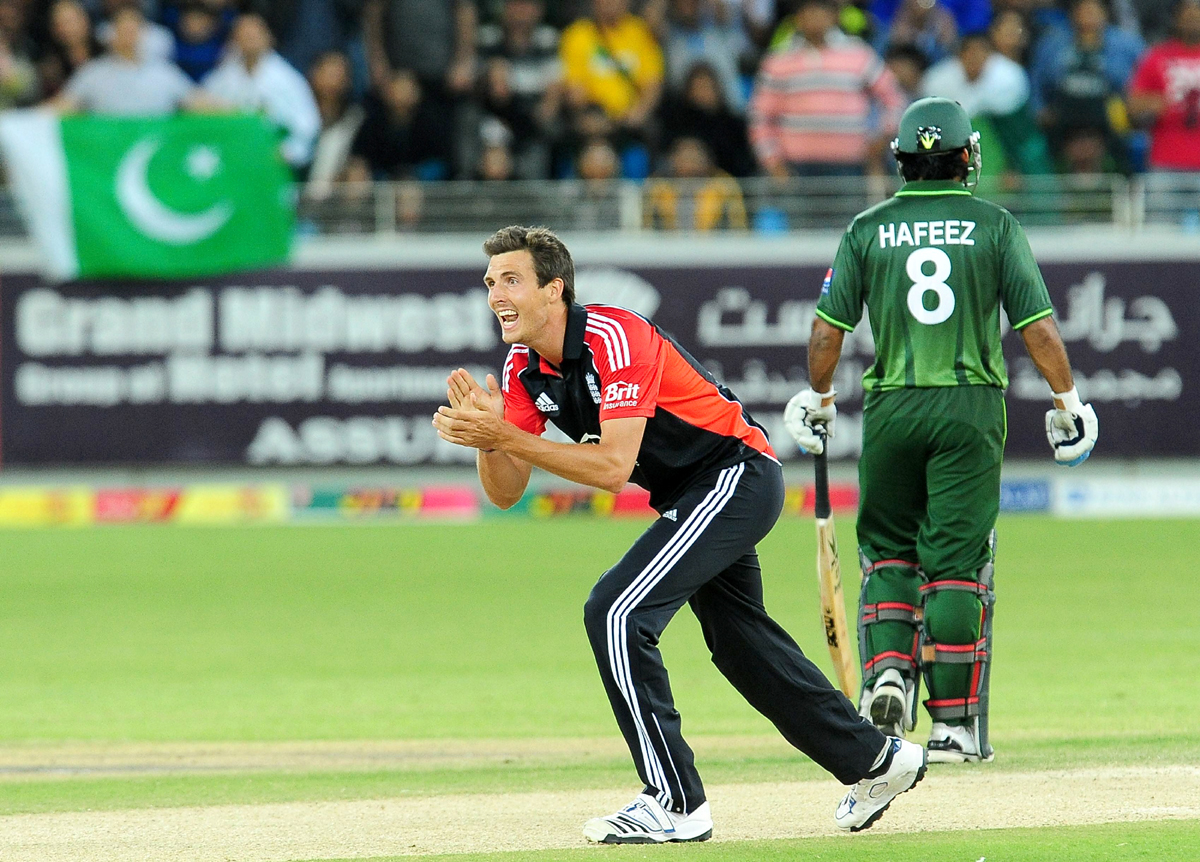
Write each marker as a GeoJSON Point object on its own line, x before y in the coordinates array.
{"type": "Point", "coordinates": [1070, 400]}
{"type": "Point", "coordinates": [829, 396]}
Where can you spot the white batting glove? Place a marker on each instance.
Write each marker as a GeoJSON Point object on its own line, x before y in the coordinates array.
{"type": "Point", "coordinates": [808, 421]}
{"type": "Point", "coordinates": [1072, 431]}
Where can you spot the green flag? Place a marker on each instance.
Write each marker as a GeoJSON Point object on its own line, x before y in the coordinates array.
{"type": "Point", "coordinates": [152, 198]}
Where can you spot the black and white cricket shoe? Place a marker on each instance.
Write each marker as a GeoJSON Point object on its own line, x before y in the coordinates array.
{"type": "Point", "coordinates": [867, 800]}
{"type": "Point", "coordinates": [645, 821]}
{"type": "Point", "coordinates": [956, 744]}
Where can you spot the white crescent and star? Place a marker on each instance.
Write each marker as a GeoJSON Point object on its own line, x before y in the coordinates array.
{"type": "Point", "coordinates": [154, 218]}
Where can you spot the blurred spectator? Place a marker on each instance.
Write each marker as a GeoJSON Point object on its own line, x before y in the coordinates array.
{"type": "Point", "coordinates": [612, 60]}
{"type": "Point", "coordinates": [926, 24]}
{"type": "Point", "coordinates": [14, 29]}
{"type": "Point", "coordinates": [306, 29]}
{"type": "Point", "coordinates": [1010, 36]}
{"type": "Point", "coordinates": [402, 137]}
{"type": "Point", "coordinates": [693, 194]}
{"type": "Point", "coordinates": [1155, 19]}
{"type": "Point", "coordinates": [970, 16]}
{"type": "Point", "coordinates": [757, 17]}
{"type": "Point", "coordinates": [254, 78]}
{"type": "Point", "coordinates": [812, 108]}
{"type": "Point", "coordinates": [1165, 93]}
{"type": "Point", "coordinates": [71, 44]}
{"type": "Point", "coordinates": [201, 28]}
{"type": "Point", "coordinates": [155, 42]}
{"type": "Point", "coordinates": [994, 91]}
{"type": "Point", "coordinates": [435, 40]}
{"type": "Point", "coordinates": [522, 82]}
{"type": "Point", "coordinates": [1080, 75]}
{"type": "Point", "coordinates": [496, 157]}
{"type": "Point", "coordinates": [703, 31]}
{"type": "Point", "coordinates": [700, 112]}
{"type": "Point", "coordinates": [1085, 150]}
{"type": "Point", "coordinates": [598, 162]}
{"type": "Point", "coordinates": [123, 83]}
{"type": "Point", "coordinates": [341, 119]}
{"type": "Point", "coordinates": [595, 204]}
{"type": "Point", "coordinates": [980, 79]}
{"type": "Point", "coordinates": [18, 78]}
{"type": "Point", "coordinates": [908, 64]}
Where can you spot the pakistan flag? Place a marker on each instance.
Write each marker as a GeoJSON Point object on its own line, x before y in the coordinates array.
{"type": "Point", "coordinates": [151, 198]}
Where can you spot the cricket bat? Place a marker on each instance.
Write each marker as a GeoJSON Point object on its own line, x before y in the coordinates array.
{"type": "Point", "coordinates": [829, 574]}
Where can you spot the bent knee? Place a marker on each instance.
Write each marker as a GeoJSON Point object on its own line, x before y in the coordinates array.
{"type": "Point", "coordinates": [595, 609]}
{"type": "Point", "coordinates": [952, 617]}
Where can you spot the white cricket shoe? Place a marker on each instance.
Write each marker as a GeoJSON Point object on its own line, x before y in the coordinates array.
{"type": "Point", "coordinates": [867, 800]}
{"type": "Point", "coordinates": [889, 703]}
{"type": "Point", "coordinates": [955, 744]}
{"type": "Point", "coordinates": [645, 821]}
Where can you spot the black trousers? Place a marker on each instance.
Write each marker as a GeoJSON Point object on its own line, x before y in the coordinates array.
{"type": "Point", "coordinates": [705, 556]}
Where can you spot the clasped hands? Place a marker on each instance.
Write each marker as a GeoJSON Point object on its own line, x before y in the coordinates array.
{"type": "Point", "coordinates": [475, 416]}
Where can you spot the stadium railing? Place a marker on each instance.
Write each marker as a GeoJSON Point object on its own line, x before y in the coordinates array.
{"type": "Point", "coordinates": [771, 206]}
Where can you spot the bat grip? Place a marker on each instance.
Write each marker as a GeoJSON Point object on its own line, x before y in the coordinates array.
{"type": "Point", "coordinates": [821, 506]}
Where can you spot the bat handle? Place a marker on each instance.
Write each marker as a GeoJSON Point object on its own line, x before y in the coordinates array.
{"type": "Point", "coordinates": [821, 506]}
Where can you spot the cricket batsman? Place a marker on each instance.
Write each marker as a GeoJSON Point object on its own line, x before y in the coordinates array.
{"type": "Point", "coordinates": [934, 265]}
{"type": "Point", "coordinates": [650, 414]}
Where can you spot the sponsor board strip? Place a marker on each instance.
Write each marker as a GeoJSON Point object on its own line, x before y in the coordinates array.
{"type": "Point", "coordinates": [278, 503]}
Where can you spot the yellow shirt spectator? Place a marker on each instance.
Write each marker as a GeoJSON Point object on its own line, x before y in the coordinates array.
{"type": "Point", "coordinates": [612, 66]}
{"type": "Point", "coordinates": [712, 204]}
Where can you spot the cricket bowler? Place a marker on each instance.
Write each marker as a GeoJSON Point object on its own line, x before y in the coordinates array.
{"type": "Point", "coordinates": [647, 412]}
{"type": "Point", "coordinates": [934, 265]}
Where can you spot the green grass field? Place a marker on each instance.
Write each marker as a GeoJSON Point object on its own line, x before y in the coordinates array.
{"type": "Point", "coordinates": [462, 633]}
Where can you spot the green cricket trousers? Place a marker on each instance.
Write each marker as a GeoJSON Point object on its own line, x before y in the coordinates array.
{"type": "Point", "coordinates": [929, 480]}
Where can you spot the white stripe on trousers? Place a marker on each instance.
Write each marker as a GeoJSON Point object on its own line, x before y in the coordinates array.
{"type": "Point", "coordinates": [618, 615]}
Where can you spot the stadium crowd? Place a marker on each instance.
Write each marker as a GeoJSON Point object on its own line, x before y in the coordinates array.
{"type": "Point", "coordinates": [706, 90]}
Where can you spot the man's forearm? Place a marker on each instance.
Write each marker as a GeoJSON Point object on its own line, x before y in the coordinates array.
{"type": "Point", "coordinates": [1048, 353]}
{"type": "Point", "coordinates": [504, 480]}
{"type": "Point", "coordinates": [594, 465]}
{"type": "Point", "coordinates": [824, 351]}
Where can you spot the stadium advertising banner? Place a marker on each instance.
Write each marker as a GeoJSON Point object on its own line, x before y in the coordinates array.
{"type": "Point", "coordinates": [298, 367]}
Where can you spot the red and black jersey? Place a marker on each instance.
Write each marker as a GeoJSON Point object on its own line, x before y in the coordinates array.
{"type": "Point", "coordinates": [616, 364]}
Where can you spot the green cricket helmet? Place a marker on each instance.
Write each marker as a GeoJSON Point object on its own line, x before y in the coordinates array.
{"type": "Point", "coordinates": [934, 126]}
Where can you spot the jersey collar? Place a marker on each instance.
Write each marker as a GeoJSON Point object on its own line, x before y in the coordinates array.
{"type": "Point", "coordinates": [576, 324]}
{"type": "Point", "coordinates": [920, 188]}
{"type": "Point", "coordinates": [572, 342]}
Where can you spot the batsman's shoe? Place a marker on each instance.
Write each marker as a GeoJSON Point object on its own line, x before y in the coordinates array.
{"type": "Point", "coordinates": [867, 800]}
{"type": "Point", "coordinates": [645, 821]}
{"type": "Point", "coordinates": [952, 744]}
{"type": "Point", "coordinates": [889, 703]}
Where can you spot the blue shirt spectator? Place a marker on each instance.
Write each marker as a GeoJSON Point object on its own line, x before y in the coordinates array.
{"type": "Point", "coordinates": [1092, 59]}
{"type": "Point", "coordinates": [201, 31]}
{"type": "Point", "coordinates": [971, 16]}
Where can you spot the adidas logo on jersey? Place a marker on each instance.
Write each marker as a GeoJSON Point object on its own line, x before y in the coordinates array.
{"type": "Point", "coordinates": [671, 514]}
{"type": "Point", "coordinates": [545, 403]}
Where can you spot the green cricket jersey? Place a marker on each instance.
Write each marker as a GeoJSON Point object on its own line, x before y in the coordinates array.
{"type": "Point", "coordinates": [933, 265]}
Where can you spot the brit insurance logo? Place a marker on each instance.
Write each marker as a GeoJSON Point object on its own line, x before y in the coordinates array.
{"type": "Point", "coordinates": [621, 394]}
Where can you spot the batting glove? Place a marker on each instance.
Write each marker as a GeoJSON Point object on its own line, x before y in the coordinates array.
{"type": "Point", "coordinates": [1072, 431]}
{"type": "Point", "coordinates": [808, 421]}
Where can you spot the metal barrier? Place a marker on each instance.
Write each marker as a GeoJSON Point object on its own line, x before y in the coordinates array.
{"type": "Point", "coordinates": [759, 204]}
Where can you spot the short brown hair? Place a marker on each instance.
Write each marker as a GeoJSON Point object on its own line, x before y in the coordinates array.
{"type": "Point", "coordinates": [551, 259]}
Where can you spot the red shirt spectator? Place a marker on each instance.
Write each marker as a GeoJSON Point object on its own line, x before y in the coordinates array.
{"type": "Point", "coordinates": [1166, 88]}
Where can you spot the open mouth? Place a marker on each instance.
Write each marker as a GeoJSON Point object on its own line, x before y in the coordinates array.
{"type": "Point", "coordinates": [508, 319]}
